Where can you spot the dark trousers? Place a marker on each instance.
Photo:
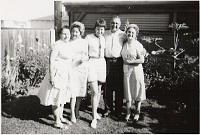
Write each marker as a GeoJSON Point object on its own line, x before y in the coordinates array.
{"type": "Point", "coordinates": [114, 83]}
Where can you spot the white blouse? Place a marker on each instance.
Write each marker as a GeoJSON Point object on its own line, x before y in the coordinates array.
{"type": "Point", "coordinates": [79, 49]}
{"type": "Point", "coordinates": [131, 51]}
{"type": "Point", "coordinates": [61, 50]}
{"type": "Point", "coordinates": [96, 46]}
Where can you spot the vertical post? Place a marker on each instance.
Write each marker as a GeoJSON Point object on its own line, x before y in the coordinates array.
{"type": "Point", "coordinates": [57, 17]}
{"type": "Point", "coordinates": [0, 40]}
{"type": "Point", "coordinates": [174, 32]}
{"type": "Point", "coordinates": [71, 18]}
{"type": "Point", "coordinates": [175, 36]}
{"type": "Point", "coordinates": [52, 38]}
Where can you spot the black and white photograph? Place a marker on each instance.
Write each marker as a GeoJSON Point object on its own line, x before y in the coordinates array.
{"type": "Point", "coordinates": [99, 67]}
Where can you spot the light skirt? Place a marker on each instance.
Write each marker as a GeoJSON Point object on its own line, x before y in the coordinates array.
{"type": "Point", "coordinates": [134, 86]}
{"type": "Point", "coordinates": [81, 75]}
{"type": "Point", "coordinates": [49, 95]}
{"type": "Point", "coordinates": [61, 92]}
{"type": "Point", "coordinates": [100, 68]}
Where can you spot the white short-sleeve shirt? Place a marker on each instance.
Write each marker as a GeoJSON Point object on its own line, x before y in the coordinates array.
{"type": "Point", "coordinates": [114, 43]}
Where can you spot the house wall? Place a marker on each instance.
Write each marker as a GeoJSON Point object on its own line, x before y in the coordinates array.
{"type": "Point", "coordinates": [153, 18]}
{"type": "Point", "coordinates": [145, 21]}
{"type": "Point", "coordinates": [150, 16]}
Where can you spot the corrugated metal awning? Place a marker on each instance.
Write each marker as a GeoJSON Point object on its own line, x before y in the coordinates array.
{"type": "Point", "coordinates": [121, 2]}
{"type": "Point", "coordinates": [146, 21]}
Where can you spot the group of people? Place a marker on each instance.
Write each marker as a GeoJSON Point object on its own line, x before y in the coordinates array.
{"type": "Point", "coordinates": [104, 60]}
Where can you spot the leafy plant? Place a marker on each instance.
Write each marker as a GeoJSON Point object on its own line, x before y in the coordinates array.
{"type": "Point", "coordinates": [176, 27]}
{"type": "Point", "coordinates": [168, 81]}
{"type": "Point", "coordinates": [22, 72]}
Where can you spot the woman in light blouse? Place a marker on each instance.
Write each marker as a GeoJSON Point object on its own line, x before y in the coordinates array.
{"type": "Point", "coordinates": [57, 92]}
{"type": "Point", "coordinates": [83, 72]}
{"type": "Point", "coordinates": [133, 57]}
{"type": "Point", "coordinates": [96, 45]}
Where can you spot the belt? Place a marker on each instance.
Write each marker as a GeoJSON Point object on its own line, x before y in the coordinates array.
{"type": "Point", "coordinates": [113, 58]}
{"type": "Point", "coordinates": [93, 57]}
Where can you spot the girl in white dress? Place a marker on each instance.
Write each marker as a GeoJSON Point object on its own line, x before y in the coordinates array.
{"type": "Point", "coordinates": [83, 72]}
{"type": "Point", "coordinates": [60, 71]}
{"type": "Point", "coordinates": [133, 57]}
{"type": "Point", "coordinates": [96, 43]}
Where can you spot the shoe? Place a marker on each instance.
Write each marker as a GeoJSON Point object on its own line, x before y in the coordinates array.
{"type": "Point", "coordinates": [73, 119]}
{"type": "Point", "coordinates": [63, 120]}
{"type": "Point", "coordinates": [107, 113]}
{"type": "Point", "coordinates": [94, 123]}
{"type": "Point", "coordinates": [127, 118]}
{"type": "Point", "coordinates": [136, 117]}
{"type": "Point", "coordinates": [60, 126]}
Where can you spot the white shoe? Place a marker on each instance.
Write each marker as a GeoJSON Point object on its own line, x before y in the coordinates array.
{"type": "Point", "coordinates": [65, 121]}
{"type": "Point", "coordinates": [127, 118]}
{"type": "Point", "coordinates": [136, 117]}
{"type": "Point", "coordinates": [60, 126]}
{"type": "Point", "coordinates": [94, 123]}
{"type": "Point", "coordinates": [73, 119]}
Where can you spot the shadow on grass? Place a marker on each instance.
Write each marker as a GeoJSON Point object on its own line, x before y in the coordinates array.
{"type": "Point", "coordinates": [27, 108]}
{"type": "Point", "coordinates": [154, 118]}
{"type": "Point", "coordinates": [169, 120]}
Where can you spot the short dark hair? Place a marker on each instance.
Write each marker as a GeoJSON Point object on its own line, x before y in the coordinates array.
{"type": "Point", "coordinates": [100, 23]}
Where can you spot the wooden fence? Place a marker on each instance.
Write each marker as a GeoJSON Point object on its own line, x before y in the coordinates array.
{"type": "Point", "coordinates": [26, 40]}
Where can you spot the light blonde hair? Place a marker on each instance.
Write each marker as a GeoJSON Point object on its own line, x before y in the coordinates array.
{"type": "Point", "coordinates": [134, 26]}
{"type": "Point", "coordinates": [78, 25]}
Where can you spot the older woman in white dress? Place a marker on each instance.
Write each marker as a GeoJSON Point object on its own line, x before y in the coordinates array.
{"type": "Point", "coordinates": [60, 69]}
{"type": "Point", "coordinates": [83, 72]}
{"type": "Point", "coordinates": [133, 57]}
{"type": "Point", "coordinates": [96, 43]}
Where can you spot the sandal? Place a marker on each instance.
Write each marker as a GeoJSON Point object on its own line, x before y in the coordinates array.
{"type": "Point", "coordinates": [94, 123]}
{"type": "Point", "coordinates": [137, 116]}
{"type": "Point", "coordinates": [60, 126]}
{"type": "Point", "coordinates": [73, 120]}
{"type": "Point", "coordinates": [127, 118]}
{"type": "Point", "coordinates": [65, 121]}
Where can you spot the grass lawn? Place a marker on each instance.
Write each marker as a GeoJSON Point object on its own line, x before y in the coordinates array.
{"type": "Point", "coordinates": [25, 115]}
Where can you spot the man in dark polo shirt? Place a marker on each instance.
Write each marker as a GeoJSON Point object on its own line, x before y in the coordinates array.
{"type": "Point", "coordinates": [114, 66]}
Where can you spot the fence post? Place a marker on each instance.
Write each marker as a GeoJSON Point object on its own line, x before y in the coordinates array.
{"type": "Point", "coordinates": [57, 17]}
{"type": "Point", "coordinates": [52, 37]}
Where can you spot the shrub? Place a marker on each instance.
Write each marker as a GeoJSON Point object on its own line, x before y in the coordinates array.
{"type": "Point", "coordinates": [173, 73]}
{"type": "Point", "coordinates": [32, 69]}
{"type": "Point", "coordinates": [21, 73]}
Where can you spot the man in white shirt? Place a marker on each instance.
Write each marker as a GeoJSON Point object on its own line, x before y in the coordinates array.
{"type": "Point", "coordinates": [114, 66]}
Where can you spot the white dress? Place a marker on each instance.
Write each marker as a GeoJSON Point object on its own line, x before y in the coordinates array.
{"type": "Point", "coordinates": [83, 72]}
{"type": "Point", "coordinates": [61, 60]}
{"type": "Point", "coordinates": [134, 86]}
{"type": "Point", "coordinates": [96, 55]}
